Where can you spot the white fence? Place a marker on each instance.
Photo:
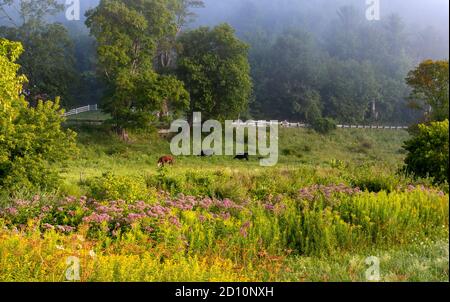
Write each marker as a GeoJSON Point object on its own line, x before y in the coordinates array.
{"type": "Point", "coordinates": [81, 110]}
{"type": "Point", "coordinates": [286, 124]}
{"type": "Point", "coordinates": [373, 127]}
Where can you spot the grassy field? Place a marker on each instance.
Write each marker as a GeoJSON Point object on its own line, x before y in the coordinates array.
{"type": "Point", "coordinates": [331, 202]}
{"type": "Point", "coordinates": [89, 116]}
{"type": "Point", "coordinates": [300, 149]}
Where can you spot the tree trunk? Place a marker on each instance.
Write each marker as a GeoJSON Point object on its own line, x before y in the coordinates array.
{"type": "Point", "coordinates": [122, 133]}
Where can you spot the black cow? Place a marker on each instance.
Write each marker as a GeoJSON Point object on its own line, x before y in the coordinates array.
{"type": "Point", "coordinates": [206, 153]}
{"type": "Point", "coordinates": [242, 156]}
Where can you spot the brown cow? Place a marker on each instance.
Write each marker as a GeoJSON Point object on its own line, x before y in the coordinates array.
{"type": "Point", "coordinates": [166, 160]}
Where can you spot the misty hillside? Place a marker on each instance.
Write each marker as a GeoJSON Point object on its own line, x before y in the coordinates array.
{"type": "Point", "coordinates": [307, 58]}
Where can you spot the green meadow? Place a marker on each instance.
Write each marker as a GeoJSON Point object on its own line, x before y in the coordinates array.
{"type": "Point", "coordinates": [331, 202]}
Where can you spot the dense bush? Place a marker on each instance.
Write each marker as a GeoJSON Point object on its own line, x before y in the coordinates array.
{"type": "Point", "coordinates": [31, 138]}
{"type": "Point", "coordinates": [428, 152]}
{"type": "Point", "coordinates": [112, 187]}
{"type": "Point", "coordinates": [323, 125]}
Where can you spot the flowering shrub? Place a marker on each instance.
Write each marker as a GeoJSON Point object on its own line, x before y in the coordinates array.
{"type": "Point", "coordinates": [320, 220]}
{"type": "Point", "coordinates": [312, 192]}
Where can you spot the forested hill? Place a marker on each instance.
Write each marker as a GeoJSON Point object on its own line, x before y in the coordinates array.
{"type": "Point", "coordinates": [310, 56]}
{"type": "Point", "coordinates": [307, 58]}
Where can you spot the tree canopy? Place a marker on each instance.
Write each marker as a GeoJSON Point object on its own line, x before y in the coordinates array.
{"type": "Point", "coordinates": [429, 82]}
{"type": "Point", "coordinates": [48, 60]}
{"type": "Point", "coordinates": [126, 53]}
{"type": "Point", "coordinates": [213, 64]}
{"type": "Point", "coordinates": [148, 58]}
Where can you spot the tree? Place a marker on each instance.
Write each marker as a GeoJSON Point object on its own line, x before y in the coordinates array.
{"type": "Point", "coordinates": [429, 83]}
{"type": "Point", "coordinates": [383, 46]}
{"type": "Point", "coordinates": [349, 90]}
{"type": "Point", "coordinates": [291, 72]}
{"type": "Point", "coordinates": [30, 138]}
{"type": "Point", "coordinates": [10, 87]}
{"type": "Point", "coordinates": [168, 46]}
{"type": "Point", "coordinates": [48, 60]}
{"type": "Point", "coordinates": [214, 66]}
{"type": "Point", "coordinates": [126, 53]}
{"type": "Point", "coordinates": [344, 39]}
{"type": "Point", "coordinates": [30, 11]}
{"type": "Point", "coordinates": [428, 152]}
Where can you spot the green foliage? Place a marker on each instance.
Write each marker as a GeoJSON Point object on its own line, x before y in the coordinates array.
{"type": "Point", "coordinates": [10, 82]}
{"type": "Point", "coordinates": [350, 87]}
{"type": "Point", "coordinates": [428, 151]}
{"type": "Point", "coordinates": [356, 75]}
{"type": "Point", "coordinates": [48, 60]}
{"type": "Point", "coordinates": [111, 187]}
{"type": "Point", "coordinates": [324, 125]}
{"type": "Point", "coordinates": [214, 66]}
{"type": "Point", "coordinates": [288, 76]}
{"type": "Point", "coordinates": [126, 51]}
{"type": "Point", "coordinates": [429, 82]}
{"type": "Point", "coordinates": [31, 138]}
{"type": "Point", "coordinates": [375, 183]}
{"type": "Point", "coordinates": [32, 12]}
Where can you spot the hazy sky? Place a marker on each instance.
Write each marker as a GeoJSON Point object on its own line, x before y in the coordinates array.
{"type": "Point", "coordinates": [419, 12]}
{"type": "Point", "coordinates": [416, 14]}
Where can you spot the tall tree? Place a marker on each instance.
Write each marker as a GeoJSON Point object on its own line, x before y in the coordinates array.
{"type": "Point", "coordinates": [382, 45]}
{"type": "Point", "coordinates": [30, 138]}
{"type": "Point", "coordinates": [183, 11]}
{"type": "Point", "coordinates": [168, 46]}
{"type": "Point", "coordinates": [343, 41]}
{"type": "Point", "coordinates": [292, 75]}
{"type": "Point", "coordinates": [214, 66]}
{"type": "Point", "coordinates": [349, 90]}
{"type": "Point", "coordinates": [29, 11]}
{"type": "Point", "coordinates": [429, 83]}
{"type": "Point", "coordinates": [10, 83]}
{"type": "Point", "coordinates": [127, 34]}
{"type": "Point", "coordinates": [48, 60]}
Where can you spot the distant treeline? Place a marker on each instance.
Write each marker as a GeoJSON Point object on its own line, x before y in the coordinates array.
{"type": "Point", "coordinates": [311, 57]}
{"type": "Point", "coordinates": [307, 60]}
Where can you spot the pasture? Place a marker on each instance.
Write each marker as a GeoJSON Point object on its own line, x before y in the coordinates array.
{"type": "Point", "coordinates": [331, 202]}
{"type": "Point", "coordinates": [299, 149]}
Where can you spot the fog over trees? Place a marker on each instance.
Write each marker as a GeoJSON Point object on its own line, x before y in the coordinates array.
{"type": "Point", "coordinates": [308, 59]}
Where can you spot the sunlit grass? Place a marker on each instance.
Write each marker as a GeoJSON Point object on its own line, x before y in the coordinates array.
{"type": "Point", "coordinates": [102, 151]}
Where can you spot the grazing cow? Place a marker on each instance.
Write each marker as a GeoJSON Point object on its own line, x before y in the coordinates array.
{"type": "Point", "coordinates": [242, 156]}
{"type": "Point", "coordinates": [206, 153]}
{"type": "Point", "coordinates": [166, 160]}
